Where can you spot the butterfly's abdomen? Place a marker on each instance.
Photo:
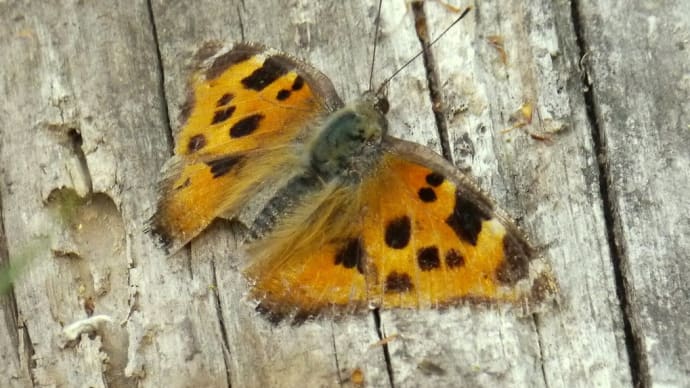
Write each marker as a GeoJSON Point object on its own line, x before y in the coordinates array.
{"type": "Point", "coordinates": [285, 201]}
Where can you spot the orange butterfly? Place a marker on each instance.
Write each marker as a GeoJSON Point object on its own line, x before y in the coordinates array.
{"type": "Point", "coordinates": [355, 218]}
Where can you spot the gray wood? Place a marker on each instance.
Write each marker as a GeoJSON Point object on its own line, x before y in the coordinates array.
{"type": "Point", "coordinates": [639, 67]}
{"type": "Point", "coordinates": [89, 69]}
{"type": "Point", "coordinates": [13, 366]}
{"type": "Point", "coordinates": [84, 132]}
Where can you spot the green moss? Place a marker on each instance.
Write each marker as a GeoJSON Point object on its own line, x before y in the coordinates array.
{"type": "Point", "coordinates": [18, 263]}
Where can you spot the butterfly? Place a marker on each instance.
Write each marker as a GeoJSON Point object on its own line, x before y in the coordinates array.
{"type": "Point", "coordinates": [348, 217]}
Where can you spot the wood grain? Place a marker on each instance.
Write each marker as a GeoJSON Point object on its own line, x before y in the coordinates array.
{"type": "Point", "coordinates": [92, 91]}
{"type": "Point", "coordinates": [639, 66]}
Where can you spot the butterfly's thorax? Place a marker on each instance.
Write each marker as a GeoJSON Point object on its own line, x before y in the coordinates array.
{"type": "Point", "coordinates": [344, 148]}
{"type": "Point", "coordinates": [349, 142]}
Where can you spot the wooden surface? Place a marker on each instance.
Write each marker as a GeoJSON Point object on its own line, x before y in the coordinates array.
{"type": "Point", "coordinates": [599, 179]}
{"type": "Point", "coordinates": [641, 98]}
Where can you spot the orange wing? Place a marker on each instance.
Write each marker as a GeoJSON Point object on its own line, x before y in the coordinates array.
{"type": "Point", "coordinates": [415, 233]}
{"type": "Point", "coordinates": [245, 109]}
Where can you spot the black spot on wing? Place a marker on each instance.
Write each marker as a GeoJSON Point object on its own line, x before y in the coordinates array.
{"type": "Point", "coordinates": [398, 283]}
{"type": "Point", "coordinates": [435, 179]}
{"type": "Point", "coordinates": [298, 83]}
{"type": "Point", "coordinates": [222, 166]}
{"type": "Point", "coordinates": [428, 259]}
{"type": "Point", "coordinates": [196, 143]}
{"type": "Point", "coordinates": [454, 259]}
{"type": "Point", "coordinates": [427, 194]}
{"type": "Point", "coordinates": [283, 95]}
{"type": "Point", "coordinates": [246, 126]}
{"type": "Point", "coordinates": [466, 219]}
{"type": "Point", "coordinates": [398, 232]}
{"type": "Point", "coordinates": [221, 115]}
{"type": "Point", "coordinates": [271, 70]}
{"type": "Point", "coordinates": [350, 255]}
{"type": "Point", "coordinates": [224, 100]}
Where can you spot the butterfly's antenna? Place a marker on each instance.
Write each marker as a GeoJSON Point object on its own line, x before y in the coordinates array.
{"type": "Point", "coordinates": [465, 12]}
{"type": "Point", "coordinates": [376, 35]}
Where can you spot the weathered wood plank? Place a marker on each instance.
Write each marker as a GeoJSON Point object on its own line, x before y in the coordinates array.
{"type": "Point", "coordinates": [639, 67]}
{"type": "Point", "coordinates": [83, 138]}
{"type": "Point", "coordinates": [81, 85]}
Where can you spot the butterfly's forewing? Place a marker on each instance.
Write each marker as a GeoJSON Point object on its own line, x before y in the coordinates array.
{"type": "Point", "coordinates": [245, 108]}
{"type": "Point", "coordinates": [415, 233]}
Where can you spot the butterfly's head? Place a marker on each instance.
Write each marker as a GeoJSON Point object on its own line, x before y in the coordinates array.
{"type": "Point", "coordinates": [372, 107]}
{"type": "Point", "coordinates": [351, 138]}
{"type": "Point", "coordinates": [378, 100]}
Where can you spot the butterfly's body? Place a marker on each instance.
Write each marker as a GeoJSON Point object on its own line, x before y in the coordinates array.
{"type": "Point", "coordinates": [357, 218]}
{"type": "Point", "coordinates": [344, 149]}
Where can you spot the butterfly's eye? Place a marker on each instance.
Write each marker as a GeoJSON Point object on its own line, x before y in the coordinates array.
{"type": "Point", "coordinates": [382, 105]}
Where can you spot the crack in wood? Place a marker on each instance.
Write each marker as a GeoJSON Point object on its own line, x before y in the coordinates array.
{"type": "Point", "coordinates": [335, 355]}
{"type": "Point", "coordinates": [29, 351]}
{"type": "Point", "coordinates": [221, 323]}
{"type": "Point", "coordinates": [540, 344]}
{"type": "Point", "coordinates": [386, 353]}
{"type": "Point", "coordinates": [240, 22]}
{"type": "Point", "coordinates": [76, 142]}
{"type": "Point", "coordinates": [639, 368]}
{"type": "Point", "coordinates": [432, 76]}
{"type": "Point", "coordinates": [161, 77]}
